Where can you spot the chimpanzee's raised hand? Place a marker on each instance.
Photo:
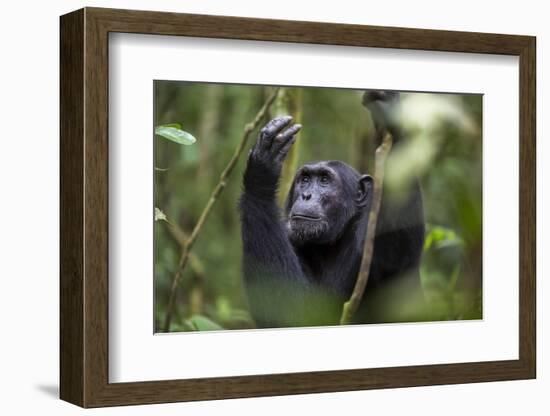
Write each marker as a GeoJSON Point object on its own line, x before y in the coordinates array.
{"type": "Point", "coordinates": [267, 156]}
{"type": "Point", "coordinates": [385, 112]}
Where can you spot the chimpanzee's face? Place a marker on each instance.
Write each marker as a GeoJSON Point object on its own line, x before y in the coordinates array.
{"type": "Point", "coordinates": [324, 198]}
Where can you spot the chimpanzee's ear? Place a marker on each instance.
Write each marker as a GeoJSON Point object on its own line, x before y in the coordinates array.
{"type": "Point", "coordinates": [364, 190]}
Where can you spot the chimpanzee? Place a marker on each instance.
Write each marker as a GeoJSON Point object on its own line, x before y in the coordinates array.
{"type": "Point", "coordinates": [301, 265]}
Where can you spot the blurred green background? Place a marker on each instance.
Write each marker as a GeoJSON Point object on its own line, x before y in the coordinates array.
{"type": "Point", "coordinates": [444, 151]}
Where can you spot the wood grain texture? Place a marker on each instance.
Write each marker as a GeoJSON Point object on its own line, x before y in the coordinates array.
{"type": "Point", "coordinates": [527, 208]}
{"type": "Point", "coordinates": [162, 23]}
{"type": "Point", "coordinates": [96, 208]}
{"type": "Point", "coordinates": [84, 207]}
{"type": "Point", "coordinates": [71, 219]}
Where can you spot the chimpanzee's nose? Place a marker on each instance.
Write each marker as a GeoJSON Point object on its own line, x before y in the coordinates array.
{"type": "Point", "coordinates": [306, 196]}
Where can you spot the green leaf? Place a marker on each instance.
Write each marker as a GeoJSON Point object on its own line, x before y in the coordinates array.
{"type": "Point", "coordinates": [202, 323]}
{"type": "Point", "coordinates": [175, 134]}
{"type": "Point", "coordinates": [223, 307]}
{"type": "Point", "coordinates": [174, 125]}
{"type": "Point", "coordinates": [440, 237]}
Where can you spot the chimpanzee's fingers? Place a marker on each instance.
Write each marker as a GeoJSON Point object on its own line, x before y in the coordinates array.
{"type": "Point", "coordinates": [283, 151]}
{"type": "Point", "coordinates": [271, 129]}
{"type": "Point", "coordinates": [282, 138]}
{"type": "Point", "coordinates": [281, 154]}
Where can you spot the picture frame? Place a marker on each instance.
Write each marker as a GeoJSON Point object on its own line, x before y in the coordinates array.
{"type": "Point", "coordinates": [84, 218]}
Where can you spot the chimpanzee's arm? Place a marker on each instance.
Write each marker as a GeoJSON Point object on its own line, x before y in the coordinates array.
{"type": "Point", "coordinates": [276, 285]}
{"type": "Point", "coordinates": [400, 228]}
{"type": "Point", "coordinates": [264, 237]}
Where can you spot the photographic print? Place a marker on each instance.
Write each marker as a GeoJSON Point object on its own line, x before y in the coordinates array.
{"type": "Point", "coordinates": [293, 206]}
{"type": "Point", "coordinates": [259, 210]}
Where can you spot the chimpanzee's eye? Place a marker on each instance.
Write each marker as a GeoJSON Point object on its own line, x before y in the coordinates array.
{"type": "Point", "coordinates": [325, 179]}
{"type": "Point", "coordinates": [304, 179]}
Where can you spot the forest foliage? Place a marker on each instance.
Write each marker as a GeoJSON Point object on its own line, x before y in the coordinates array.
{"type": "Point", "coordinates": [198, 128]}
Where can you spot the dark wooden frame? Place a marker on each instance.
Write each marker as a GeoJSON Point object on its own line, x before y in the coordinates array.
{"type": "Point", "coordinates": [84, 207]}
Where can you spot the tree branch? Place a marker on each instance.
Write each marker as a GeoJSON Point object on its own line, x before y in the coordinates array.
{"type": "Point", "coordinates": [249, 128]}
{"type": "Point", "coordinates": [351, 306]}
{"type": "Point", "coordinates": [180, 236]}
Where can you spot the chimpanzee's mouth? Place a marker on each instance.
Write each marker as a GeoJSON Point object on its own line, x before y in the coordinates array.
{"type": "Point", "coordinates": [304, 217]}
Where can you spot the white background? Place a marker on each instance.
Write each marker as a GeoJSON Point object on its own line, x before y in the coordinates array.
{"type": "Point", "coordinates": [29, 217]}
{"type": "Point", "coordinates": [135, 355]}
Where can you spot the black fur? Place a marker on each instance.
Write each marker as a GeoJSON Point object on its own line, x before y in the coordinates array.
{"type": "Point", "coordinates": [302, 264]}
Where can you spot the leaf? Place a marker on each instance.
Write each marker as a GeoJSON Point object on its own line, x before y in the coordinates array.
{"type": "Point", "coordinates": [174, 125]}
{"type": "Point", "coordinates": [175, 134]}
{"type": "Point", "coordinates": [440, 237]}
{"type": "Point", "coordinates": [202, 323]}
{"type": "Point", "coordinates": [159, 215]}
{"type": "Point", "coordinates": [223, 307]}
